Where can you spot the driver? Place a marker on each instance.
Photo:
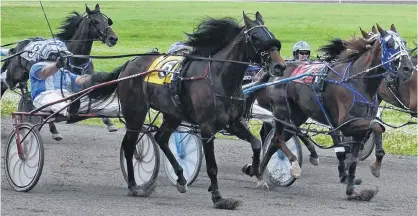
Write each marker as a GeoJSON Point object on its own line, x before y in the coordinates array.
{"type": "Point", "coordinates": [301, 51]}
{"type": "Point", "coordinates": [50, 82]}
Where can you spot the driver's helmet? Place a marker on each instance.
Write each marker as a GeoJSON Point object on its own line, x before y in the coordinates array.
{"type": "Point", "coordinates": [177, 47]}
{"type": "Point", "coordinates": [51, 49]}
{"type": "Point", "coordinates": [301, 46]}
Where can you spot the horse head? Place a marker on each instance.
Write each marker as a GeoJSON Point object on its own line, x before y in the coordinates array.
{"type": "Point", "coordinates": [100, 26]}
{"type": "Point", "coordinates": [262, 42]}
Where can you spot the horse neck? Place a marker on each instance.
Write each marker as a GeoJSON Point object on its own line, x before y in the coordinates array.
{"type": "Point", "coordinates": [371, 84]}
{"type": "Point", "coordinates": [232, 74]}
{"type": "Point", "coordinates": [80, 44]}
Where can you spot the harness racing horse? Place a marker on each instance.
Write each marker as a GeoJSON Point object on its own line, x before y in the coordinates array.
{"type": "Point", "coordinates": [397, 90]}
{"type": "Point", "coordinates": [209, 90]}
{"type": "Point", "coordinates": [78, 33]}
{"type": "Point", "coordinates": [343, 95]}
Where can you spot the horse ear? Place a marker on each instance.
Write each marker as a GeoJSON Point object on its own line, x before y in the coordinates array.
{"type": "Point", "coordinates": [247, 20]}
{"type": "Point", "coordinates": [88, 9]}
{"type": "Point", "coordinates": [381, 31]}
{"type": "Point", "coordinates": [374, 30]}
{"type": "Point", "coordinates": [392, 28]}
{"type": "Point", "coordinates": [97, 8]}
{"type": "Point", "coordinates": [365, 35]}
{"type": "Point", "coordinates": [259, 18]}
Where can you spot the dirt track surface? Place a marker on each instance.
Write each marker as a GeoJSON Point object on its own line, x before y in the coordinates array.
{"type": "Point", "coordinates": [82, 176]}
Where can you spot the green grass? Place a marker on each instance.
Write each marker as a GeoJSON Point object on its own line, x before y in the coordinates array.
{"type": "Point", "coordinates": [142, 26]}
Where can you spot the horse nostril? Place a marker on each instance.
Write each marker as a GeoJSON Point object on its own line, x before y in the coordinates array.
{"type": "Point", "coordinates": [113, 39]}
{"type": "Point", "coordinates": [406, 69]}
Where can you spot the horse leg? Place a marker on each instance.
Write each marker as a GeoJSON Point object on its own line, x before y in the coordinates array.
{"type": "Point", "coordinates": [162, 136]}
{"type": "Point", "coordinates": [133, 125]}
{"type": "Point", "coordinates": [128, 145]}
{"type": "Point", "coordinates": [110, 126]}
{"type": "Point", "coordinates": [380, 152]}
{"type": "Point", "coordinates": [238, 129]}
{"type": "Point", "coordinates": [280, 138]}
{"type": "Point", "coordinates": [55, 134]}
{"type": "Point", "coordinates": [208, 135]}
{"type": "Point", "coordinates": [313, 157]}
{"type": "Point", "coordinates": [342, 156]}
{"type": "Point", "coordinates": [352, 159]}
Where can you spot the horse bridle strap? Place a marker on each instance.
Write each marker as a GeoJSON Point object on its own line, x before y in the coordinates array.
{"type": "Point", "coordinates": [158, 54]}
{"type": "Point", "coordinates": [102, 36]}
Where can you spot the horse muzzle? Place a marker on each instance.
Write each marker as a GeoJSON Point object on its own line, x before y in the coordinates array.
{"type": "Point", "coordinates": [276, 69]}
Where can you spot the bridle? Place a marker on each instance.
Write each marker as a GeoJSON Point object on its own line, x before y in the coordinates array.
{"type": "Point", "coordinates": [264, 54]}
{"type": "Point", "coordinates": [102, 35]}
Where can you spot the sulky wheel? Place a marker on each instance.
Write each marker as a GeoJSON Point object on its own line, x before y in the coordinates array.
{"type": "Point", "coordinates": [368, 148]}
{"type": "Point", "coordinates": [23, 173]}
{"type": "Point", "coordinates": [278, 168]}
{"type": "Point", "coordinates": [146, 162]}
{"type": "Point", "coordinates": [187, 148]}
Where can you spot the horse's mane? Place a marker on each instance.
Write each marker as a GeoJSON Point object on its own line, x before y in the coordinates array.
{"type": "Point", "coordinates": [212, 35]}
{"type": "Point", "coordinates": [69, 26]}
{"type": "Point", "coordinates": [345, 50]}
{"type": "Point", "coordinates": [333, 49]}
{"type": "Point", "coordinates": [354, 49]}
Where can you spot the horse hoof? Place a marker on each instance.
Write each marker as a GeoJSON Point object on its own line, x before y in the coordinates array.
{"type": "Point", "coordinates": [229, 204]}
{"type": "Point", "coordinates": [262, 184]}
{"type": "Point", "coordinates": [112, 128]}
{"type": "Point", "coordinates": [356, 181]}
{"type": "Point", "coordinates": [295, 170]}
{"type": "Point", "coordinates": [363, 195]}
{"type": "Point", "coordinates": [248, 169]}
{"type": "Point", "coordinates": [375, 170]}
{"type": "Point", "coordinates": [181, 188]}
{"type": "Point", "coordinates": [139, 192]}
{"type": "Point", "coordinates": [314, 161]}
{"type": "Point", "coordinates": [57, 136]}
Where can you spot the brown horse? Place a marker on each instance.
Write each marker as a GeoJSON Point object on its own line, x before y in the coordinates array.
{"type": "Point", "coordinates": [343, 96]}
{"type": "Point", "coordinates": [397, 90]}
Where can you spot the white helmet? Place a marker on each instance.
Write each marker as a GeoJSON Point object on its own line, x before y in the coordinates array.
{"type": "Point", "coordinates": [50, 50]}
{"type": "Point", "coordinates": [301, 46]}
{"type": "Point", "coordinates": [178, 46]}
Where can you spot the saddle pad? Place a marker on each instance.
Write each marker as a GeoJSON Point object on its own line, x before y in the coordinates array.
{"type": "Point", "coordinates": [307, 68]}
{"type": "Point", "coordinates": [167, 63]}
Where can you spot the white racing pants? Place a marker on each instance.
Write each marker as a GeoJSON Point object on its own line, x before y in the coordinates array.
{"type": "Point", "coordinates": [262, 114]}
{"type": "Point", "coordinates": [109, 107]}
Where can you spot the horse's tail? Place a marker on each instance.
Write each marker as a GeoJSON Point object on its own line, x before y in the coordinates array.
{"type": "Point", "coordinates": [101, 77]}
{"type": "Point", "coordinates": [7, 62]}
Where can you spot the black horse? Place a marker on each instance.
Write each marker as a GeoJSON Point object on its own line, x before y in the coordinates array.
{"type": "Point", "coordinates": [210, 92]}
{"type": "Point", "coordinates": [78, 33]}
{"type": "Point", "coordinates": [343, 95]}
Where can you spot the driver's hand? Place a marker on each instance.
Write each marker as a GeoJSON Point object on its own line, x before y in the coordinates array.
{"type": "Point", "coordinates": [61, 62]}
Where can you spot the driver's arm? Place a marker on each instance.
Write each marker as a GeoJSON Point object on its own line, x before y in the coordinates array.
{"type": "Point", "coordinates": [50, 69]}
{"type": "Point", "coordinates": [83, 79]}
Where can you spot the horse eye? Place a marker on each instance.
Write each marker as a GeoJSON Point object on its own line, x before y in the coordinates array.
{"type": "Point", "coordinates": [391, 44]}
{"type": "Point", "coordinates": [255, 38]}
